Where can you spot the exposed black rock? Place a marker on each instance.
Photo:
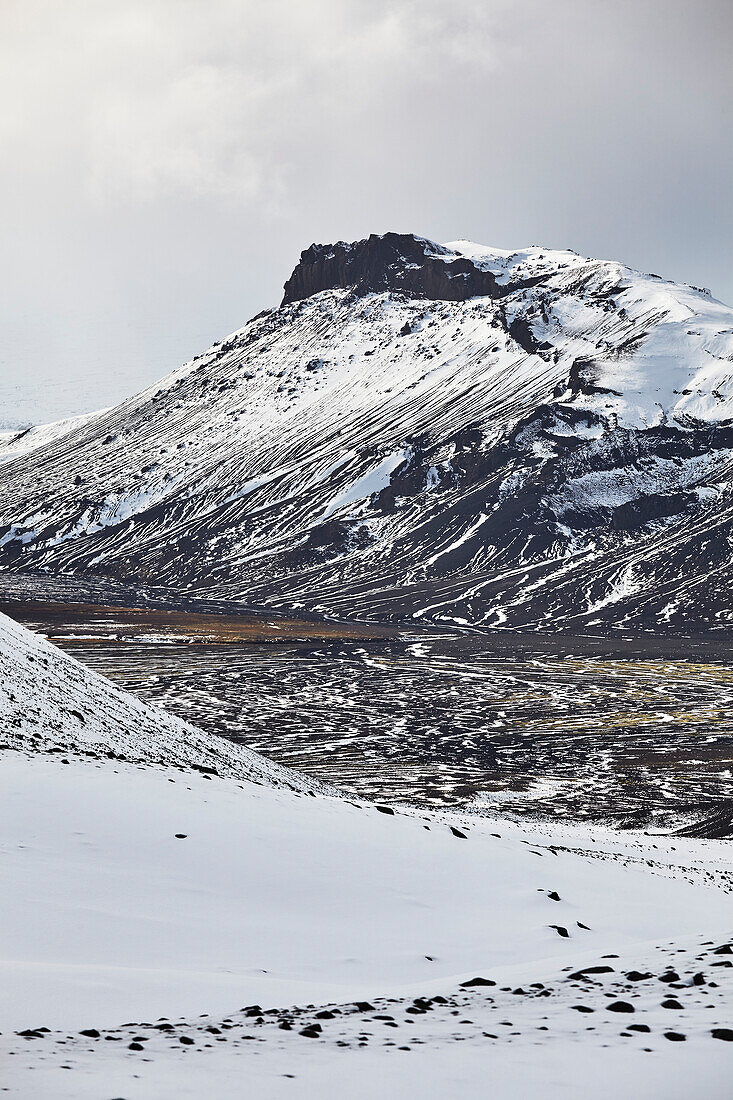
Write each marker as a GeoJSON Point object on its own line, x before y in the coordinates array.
{"type": "Point", "coordinates": [592, 970]}
{"type": "Point", "coordinates": [397, 262]}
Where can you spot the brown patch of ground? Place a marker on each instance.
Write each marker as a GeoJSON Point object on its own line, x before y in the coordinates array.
{"type": "Point", "coordinates": [87, 622]}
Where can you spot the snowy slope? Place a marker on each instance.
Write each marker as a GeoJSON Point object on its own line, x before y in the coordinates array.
{"type": "Point", "coordinates": [527, 439]}
{"type": "Point", "coordinates": [130, 897]}
{"type": "Point", "coordinates": [51, 704]}
{"type": "Point", "coordinates": [22, 441]}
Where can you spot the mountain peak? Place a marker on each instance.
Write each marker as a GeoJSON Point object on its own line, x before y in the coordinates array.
{"type": "Point", "coordinates": [400, 262]}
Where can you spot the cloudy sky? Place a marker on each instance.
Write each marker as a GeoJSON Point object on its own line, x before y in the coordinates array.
{"type": "Point", "coordinates": [163, 162]}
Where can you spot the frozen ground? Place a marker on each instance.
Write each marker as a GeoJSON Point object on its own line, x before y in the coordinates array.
{"type": "Point", "coordinates": [170, 933]}
{"type": "Point", "coordinates": [637, 733]}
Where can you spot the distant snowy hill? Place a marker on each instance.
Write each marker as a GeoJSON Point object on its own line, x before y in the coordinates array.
{"type": "Point", "coordinates": [524, 439]}
{"type": "Point", "coordinates": [22, 441]}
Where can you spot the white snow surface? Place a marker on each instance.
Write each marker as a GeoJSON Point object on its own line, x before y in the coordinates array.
{"type": "Point", "coordinates": [273, 898]}
{"type": "Point", "coordinates": [20, 442]}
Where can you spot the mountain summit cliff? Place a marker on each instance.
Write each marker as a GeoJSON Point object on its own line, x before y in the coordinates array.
{"type": "Point", "coordinates": [397, 262]}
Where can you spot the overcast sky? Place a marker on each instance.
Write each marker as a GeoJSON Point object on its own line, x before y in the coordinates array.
{"type": "Point", "coordinates": [163, 162]}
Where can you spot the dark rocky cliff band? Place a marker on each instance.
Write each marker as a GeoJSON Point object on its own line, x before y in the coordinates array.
{"type": "Point", "coordinates": [398, 262]}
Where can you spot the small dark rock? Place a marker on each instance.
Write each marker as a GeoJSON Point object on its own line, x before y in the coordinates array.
{"type": "Point", "coordinates": [592, 970]}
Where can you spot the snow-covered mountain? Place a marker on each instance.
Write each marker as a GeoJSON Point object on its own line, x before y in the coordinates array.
{"type": "Point", "coordinates": [529, 439]}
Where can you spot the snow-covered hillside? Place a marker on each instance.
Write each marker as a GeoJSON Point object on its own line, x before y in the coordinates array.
{"type": "Point", "coordinates": [17, 442]}
{"type": "Point", "coordinates": [51, 704]}
{"type": "Point", "coordinates": [268, 934]}
{"type": "Point", "coordinates": [526, 439]}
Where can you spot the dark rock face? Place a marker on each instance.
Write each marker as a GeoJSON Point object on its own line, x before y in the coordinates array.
{"type": "Point", "coordinates": [397, 262]}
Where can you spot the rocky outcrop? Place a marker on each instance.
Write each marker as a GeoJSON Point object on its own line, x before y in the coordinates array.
{"type": "Point", "coordinates": [398, 262]}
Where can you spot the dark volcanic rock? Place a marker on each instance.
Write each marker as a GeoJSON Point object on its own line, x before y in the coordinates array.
{"type": "Point", "coordinates": [592, 970]}
{"type": "Point", "coordinates": [393, 261]}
